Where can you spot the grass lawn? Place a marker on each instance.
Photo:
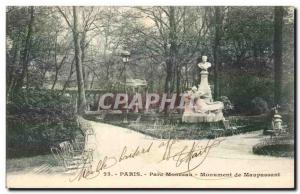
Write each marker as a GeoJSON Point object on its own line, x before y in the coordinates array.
{"type": "Point", "coordinates": [171, 127]}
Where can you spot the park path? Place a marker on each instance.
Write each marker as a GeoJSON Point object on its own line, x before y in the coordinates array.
{"type": "Point", "coordinates": [232, 155]}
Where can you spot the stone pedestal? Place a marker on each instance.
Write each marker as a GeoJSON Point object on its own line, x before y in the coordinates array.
{"type": "Point", "coordinates": [202, 117]}
{"type": "Point", "coordinates": [204, 86]}
{"type": "Point", "coordinates": [199, 105]}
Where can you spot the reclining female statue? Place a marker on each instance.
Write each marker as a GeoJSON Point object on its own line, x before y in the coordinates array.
{"type": "Point", "coordinates": [196, 103]}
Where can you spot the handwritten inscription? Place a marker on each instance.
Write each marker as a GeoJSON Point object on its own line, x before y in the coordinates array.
{"type": "Point", "coordinates": [138, 151]}
{"type": "Point", "coordinates": [188, 156]}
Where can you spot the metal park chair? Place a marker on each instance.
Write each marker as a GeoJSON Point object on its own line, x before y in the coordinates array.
{"type": "Point", "coordinates": [71, 158]}
{"type": "Point", "coordinates": [79, 151]}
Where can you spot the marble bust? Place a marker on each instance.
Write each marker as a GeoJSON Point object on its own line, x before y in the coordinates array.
{"type": "Point", "coordinates": [204, 65]}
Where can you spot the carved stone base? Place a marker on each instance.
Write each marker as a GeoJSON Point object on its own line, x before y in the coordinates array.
{"type": "Point", "coordinates": [202, 117]}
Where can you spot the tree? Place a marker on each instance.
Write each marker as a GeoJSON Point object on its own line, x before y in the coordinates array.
{"type": "Point", "coordinates": [81, 100]}
{"type": "Point", "coordinates": [26, 52]}
{"type": "Point", "coordinates": [57, 65]}
{"type": "Point", "coordinates": [78, 64]}
{"type": "Point", "coordinates": [216, 53]}
{"type": "Point", "coordinates": [176, 38]}
{"type": "Point", "coordinates": [165, 44]}
{"type": "Point", "coordinates": [88, 18]}
{"type": "Point", "coordinates": [278, 25]}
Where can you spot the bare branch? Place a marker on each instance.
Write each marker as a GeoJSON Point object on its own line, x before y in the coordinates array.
{"type": "Point", "coordinates": [65, 17]}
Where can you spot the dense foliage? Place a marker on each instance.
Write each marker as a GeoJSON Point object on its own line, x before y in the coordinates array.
{"type": "Point", "coordinates": [165, 45]}
{"type": "Point", "coordinates": [37, 119]}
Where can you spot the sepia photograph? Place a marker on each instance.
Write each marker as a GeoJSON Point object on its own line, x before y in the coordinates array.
{"type": "Point", "coordinates": [152, 97]}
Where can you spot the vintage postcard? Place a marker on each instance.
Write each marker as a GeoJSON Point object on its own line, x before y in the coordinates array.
{"type": "Point", "coordinates": [150, 97]}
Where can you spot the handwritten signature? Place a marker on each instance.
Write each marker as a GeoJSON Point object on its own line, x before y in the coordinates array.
{"type": "Point", "coordinates": [193, 156]}
{"type": "Point", "coordinates": [188, 154]}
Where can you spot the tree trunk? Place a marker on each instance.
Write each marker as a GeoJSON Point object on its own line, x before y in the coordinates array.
{"type": "Point", "coordinates": [278, 25]}
{"type": "Point", "coordinates": [69, 78]}
{"type": "Point", "coordinates": [57, 66]}
{"type": "Point", "coordinates": [11, 67]}
{"type": "Point", "coordinates": [168, 81]}
{"type": "Point", "coordinates": [92, 82]}
{"type": "Point", "coordinates": [55, 79]}
{"type": "Point", "coordinates": [26, 52]}
{"type": "Point", "coordinates": [83, 47]}
{"type": "Point", "coordinates": [55, 62]}
{"type": "Point", "coordinates": [172, 69]}
{"type": "Point", "coordinates": [216, 52]}
{"type": "Point", "coordinates": [81, 101]}
{"type": "Point", "coordinates": [178, 80]}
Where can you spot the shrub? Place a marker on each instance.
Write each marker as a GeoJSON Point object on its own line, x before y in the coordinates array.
{"type": "Point", "coordinates": [260, 106]}
{"type": "Point", "coordinates": [227, 104]}
{"type": "Point", "coordinates": [36, 119]}
{"type": "Point", "coordinates": [241, 89]}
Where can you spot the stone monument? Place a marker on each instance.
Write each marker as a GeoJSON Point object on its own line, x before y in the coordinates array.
{"type": "Point", "coordinates": [199, 105]}
{"type": "Point", "coordinates": [277, 123]}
